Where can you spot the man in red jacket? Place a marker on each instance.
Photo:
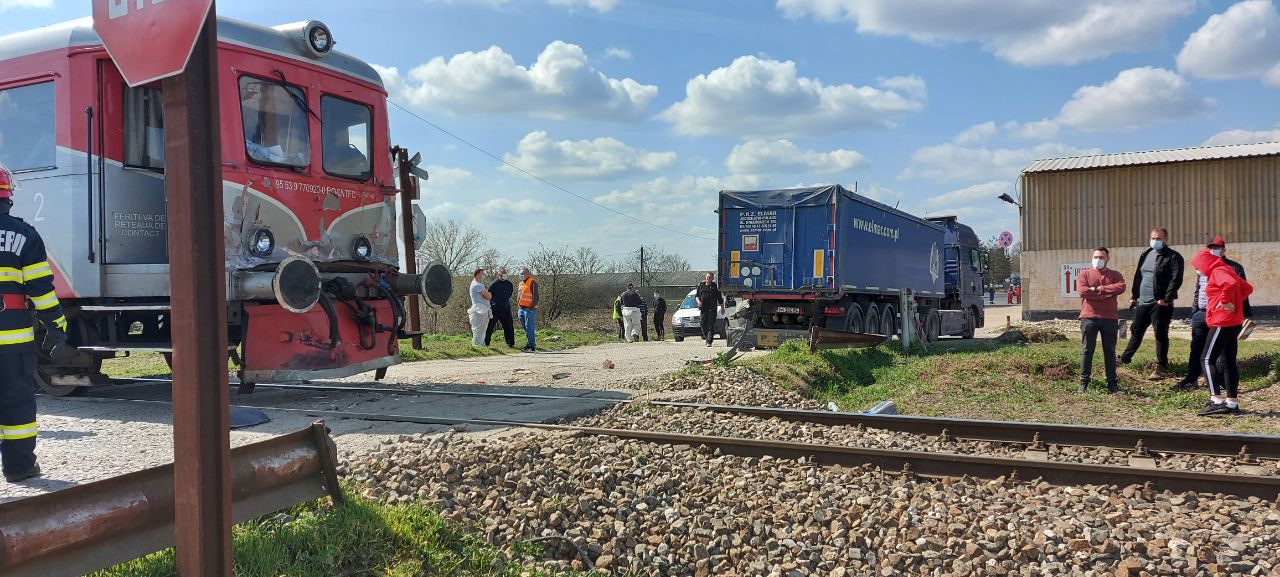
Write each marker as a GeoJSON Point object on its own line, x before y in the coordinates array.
{"type": "Point", "coordinates": [1099, 287]}
{"type": "Point", "coordinates": [1225, 317]}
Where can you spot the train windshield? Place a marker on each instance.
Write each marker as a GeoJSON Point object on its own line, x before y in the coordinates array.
{"type": "Point", "coordinates": [347, 128]}
{"type": "Point", "coordinates": [276, 130]}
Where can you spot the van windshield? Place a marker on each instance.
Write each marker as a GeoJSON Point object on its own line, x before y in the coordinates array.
{"type": "Point", "coordinates": [689, 302]}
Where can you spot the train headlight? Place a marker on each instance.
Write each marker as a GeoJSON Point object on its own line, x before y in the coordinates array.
{"type": "Point", "coordinates": [361, 248]}
{"type": "Point", "coordinates": [319, 38]}
{"type": "Point", "coordinates": [262, 243]}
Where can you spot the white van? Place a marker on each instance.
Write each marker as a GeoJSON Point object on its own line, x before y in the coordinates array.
{"type": "Point", "coordinates": [687, 320]}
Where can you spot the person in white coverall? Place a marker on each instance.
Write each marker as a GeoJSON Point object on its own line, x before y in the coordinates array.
{"type": "Point", "coordinates": [631, 314]}
{"type": "Point", "coordinates": [480, 309]}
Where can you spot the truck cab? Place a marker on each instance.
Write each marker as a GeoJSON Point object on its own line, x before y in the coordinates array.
{"type": "Point", "coordinates": [965, 265]}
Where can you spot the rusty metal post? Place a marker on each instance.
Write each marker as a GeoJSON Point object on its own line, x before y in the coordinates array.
{"type": "Point", "coordinates": [408, 193]}
{"type": "Point", "coordinates": [197, 282]}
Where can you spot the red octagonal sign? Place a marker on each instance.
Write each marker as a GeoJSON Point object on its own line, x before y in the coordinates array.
{"type": "Point", "coordinates": [149, 39]}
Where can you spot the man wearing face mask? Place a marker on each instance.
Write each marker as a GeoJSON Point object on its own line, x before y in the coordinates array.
{"type": "Point", "coordinates": [1155, 286]}
{"type": "Point", "coordinates": [1199, 307]}
{"type": "Point", "coordinates": [501, 289]}
{"type": "Point", "coordinates": [528, 299]}
{"type": "Point", "coordinates": [1099, 288]}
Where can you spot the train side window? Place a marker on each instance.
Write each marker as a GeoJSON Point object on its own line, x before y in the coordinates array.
{"type": "Point", "coordinates": [143, 128]}
{"type": "Point", "coordinates": [276, 127]}
{"type": "Point", "coordinates": [975, 259]}
{"type": "Point", "coordinates": [27, 137]}
{"type": "Point", "coordinates": [348, 129]}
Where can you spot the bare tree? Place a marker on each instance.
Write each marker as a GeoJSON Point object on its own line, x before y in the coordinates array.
{"type": "Point", "coordinates": [668, 262]}
{"type": "Point", "coordinates": [587, 261]}
{"type": "Point", "coordinates": [559, 286]}
{"type": "Point", "coordinates": [646, 261]}
{"type": "Point", "coordinates": [492, 260]}
{"type": "Point", "coordinates": [456, 245]}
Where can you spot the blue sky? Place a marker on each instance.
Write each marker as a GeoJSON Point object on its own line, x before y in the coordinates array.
{"type": "Point", "coordinates": [651, 107]}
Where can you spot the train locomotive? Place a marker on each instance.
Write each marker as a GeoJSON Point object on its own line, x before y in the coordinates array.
{"type": "Point", "coordinates": [309, 194]}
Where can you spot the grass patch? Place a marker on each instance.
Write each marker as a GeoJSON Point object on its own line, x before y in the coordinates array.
{"type": "Point", "coordinates": [1022, 382]}
{"type": "Point", "coordinates": [358, 537]}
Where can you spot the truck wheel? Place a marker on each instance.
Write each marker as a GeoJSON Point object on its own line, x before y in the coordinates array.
{"type": "Point", "coordinates": [888, 321]}
{"type": "Point", "coordinates": [932, 325]}
{"type": "Point", "coordinates": [872, 323]}
{"type": "Point", "coordinates": [853, 319]}
{"type": "Point", "coordinates": [970, 324]}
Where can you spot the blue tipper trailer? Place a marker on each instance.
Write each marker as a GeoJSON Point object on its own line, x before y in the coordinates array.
{"type": "Point", "coordinates": [825, 256]}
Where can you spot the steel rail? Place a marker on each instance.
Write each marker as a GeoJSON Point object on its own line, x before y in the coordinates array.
{"type": "Point", "coordinates": [927, 464]}
{"type": "Point", "coordinates": [1193, 442]}
{"type": "Point", "coordinates": [94, 526]}
{"type": "Point", "coordinates": [1025, 433]}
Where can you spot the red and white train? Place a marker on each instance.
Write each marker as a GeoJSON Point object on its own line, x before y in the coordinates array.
{"type": "Point", "coordinates": [309, 195]}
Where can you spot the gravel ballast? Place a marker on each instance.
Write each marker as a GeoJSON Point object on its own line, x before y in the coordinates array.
{"type": "Point", "coordinates": [658, 510]}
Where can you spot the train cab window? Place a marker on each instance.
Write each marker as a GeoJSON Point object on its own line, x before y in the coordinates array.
{"type": "Point", "coordinates": [276, 128]}
{"type": "Point", "coordinates": [143, 128]}
{"type": "Point", "coordinates": [347, 128]}
{"type": "Point", "coordinates": [975, 259]}
{"type": "Point", "coordinates": [27, 137]}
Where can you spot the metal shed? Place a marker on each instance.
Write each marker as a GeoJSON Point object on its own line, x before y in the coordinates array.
{"type": "Point", "coordinates": [1072, 205]}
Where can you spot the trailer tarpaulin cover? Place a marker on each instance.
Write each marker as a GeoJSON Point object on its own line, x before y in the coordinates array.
{"type": "Point", "coordinates": [814, 196]}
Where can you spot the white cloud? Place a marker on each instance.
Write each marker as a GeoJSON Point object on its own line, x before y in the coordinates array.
{"type": "Point", "coordinates": [768, 98]}
{"type": "Point", "coordinates": [981, 195]}
{"type": "Point", "coordinates": [950, 162]}
{"type": "Point", "coordinates": [601, 158]}
{"type": "Point", "coordinates": [1242, 137]}
{"type": "Point", "coordinates": [977, 133]}
{"type": "Point", "coordinates": [597, 5]}
{"type": "Point", "coordinates": [617, 53]}
{"type": "Point", "coordinates": [446, 178]}
{"type": "Point", "coordinates": [665, 190]}
{"type": "Point", "coordinates": [912, 85]}
{"type": "Point", "coordinates": [522, 206]}
{"type": "Point", "coordinates": [7, 5]}
{"type": "Point", "coordinates": [1026, 32]}
{"type": "Point", "coordinates": [1135, 98]}
{"type": "Point", "coordinates": [560, 84]}
{"type": "Point", "coordinates": [1243, 42]}
{"type": "Point", "coordinates": [782, 156]}
{"type": "Point", "coordinates": [880, 193]}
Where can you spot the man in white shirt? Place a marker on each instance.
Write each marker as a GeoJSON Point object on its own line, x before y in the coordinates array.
{"type": "Point", "coordinates": [480, 309]}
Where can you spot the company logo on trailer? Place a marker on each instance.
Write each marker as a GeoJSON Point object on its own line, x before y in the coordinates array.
{"type": "Point", "coordinates": [934, 262]}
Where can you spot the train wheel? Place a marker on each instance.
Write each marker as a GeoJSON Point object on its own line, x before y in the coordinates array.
{"type": "Point", "coordinates": [45, 381]}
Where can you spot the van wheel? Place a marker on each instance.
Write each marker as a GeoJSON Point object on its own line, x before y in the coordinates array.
{"type": "Point", "coordinates": [872, 324]}
{"type": "Point", "coordinates": [679, 338]}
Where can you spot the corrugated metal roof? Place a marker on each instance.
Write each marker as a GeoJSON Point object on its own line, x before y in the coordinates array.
{"type": "Point", "coordinates": [1154, 157]}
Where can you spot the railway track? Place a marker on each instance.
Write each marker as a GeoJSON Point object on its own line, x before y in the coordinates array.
{"type": "Point", "coordinates": [912, 462]}
{"type": "Point", "coordinates": [1036, 437]}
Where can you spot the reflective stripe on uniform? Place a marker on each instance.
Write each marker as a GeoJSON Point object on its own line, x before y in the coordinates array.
{"type": "Point", "coordinates": [16, 432]}
{"type": "Point", "coordinates": [17, 336]}
{"type": "Point", "coordinates": [61, 322]}
{"type": "Point", "coordinates": [35, 271]}
{"type": "Point", "coordinates": [45, 301]}
{"type": "Point", "coordinates": [10, 274]}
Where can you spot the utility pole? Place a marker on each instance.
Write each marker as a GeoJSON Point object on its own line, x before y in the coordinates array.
{"type": "Point", "coordinates": [644, 279]}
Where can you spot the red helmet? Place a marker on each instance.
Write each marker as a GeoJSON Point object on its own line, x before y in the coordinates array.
{"type": "Point", "coordinates": [8, 184]}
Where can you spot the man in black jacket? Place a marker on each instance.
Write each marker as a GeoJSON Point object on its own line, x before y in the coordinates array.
{"type": "Point", "coordinates": [502, 289]}
{"type": "Point", "coordinates": [709, 301]}
{"type": "Point", "coordinates": [659, 313]}
{"type": "Point", "coordinates": [1199, 329]}
{"type": "Point", "coordinates": [1155, 286]}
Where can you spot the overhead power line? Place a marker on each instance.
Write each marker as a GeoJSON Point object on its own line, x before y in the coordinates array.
{"type": "Point", "coordinates": [540, 179]}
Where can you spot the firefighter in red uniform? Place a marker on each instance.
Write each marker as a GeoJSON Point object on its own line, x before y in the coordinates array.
{"type": "Point", "coordinates": [24, 273]}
